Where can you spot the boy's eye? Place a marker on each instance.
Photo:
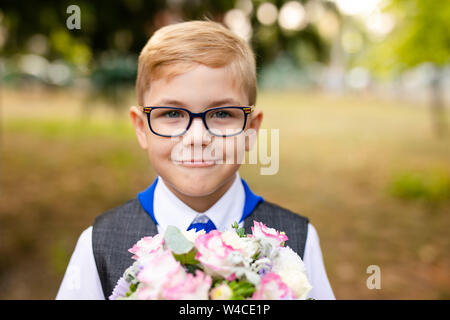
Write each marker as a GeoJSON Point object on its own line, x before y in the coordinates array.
{"type": "Point", "coordinates": [173, 114]}
{"type": "Point", "coordinates": [220, 114]}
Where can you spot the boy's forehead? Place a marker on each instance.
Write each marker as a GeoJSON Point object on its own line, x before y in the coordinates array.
{"type": "Point", "coordinates": [196, 84]}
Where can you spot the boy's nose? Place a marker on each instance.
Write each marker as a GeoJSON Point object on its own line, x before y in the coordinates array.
{"type": "Point", "coordinates": [197, 134]}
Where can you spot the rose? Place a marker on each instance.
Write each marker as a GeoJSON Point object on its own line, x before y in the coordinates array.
{"type": "Point", "coordinates": [162, 277]}
{"type": "Point", "coordinates": [215, 255]}
{"type": "Point", "coordinates": [160, 270]}
{"type": "Point", "coordinates": [272, 287]}
{"type": "Point", "coordinates": [147, 246]}
{"type": "Point", "coordinates": [247, 246]}
{"type": "Point", "coordinates": [190, 288]}
{"type": "Point", "coordinates": [290, 267]}
{"type": "Point", "coordinates": [260, 230]}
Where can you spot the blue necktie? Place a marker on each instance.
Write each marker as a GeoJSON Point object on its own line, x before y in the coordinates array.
{"type": "Point", "coordinates": [202, 222]}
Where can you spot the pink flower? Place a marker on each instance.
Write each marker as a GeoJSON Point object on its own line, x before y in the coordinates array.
{"type": "Point", "coordinates": [191, 288]}
{"type": "Point", "coordinates": [214, 254]}
{"type": "Point", "coordinates": [260, 230]}
{"type": "Point", "coordinates": [160, 270]}
{"type": "Point", "coordinates": [147, 246]}
{"type": "Point", "coordinates": [272, 287]}
{"type": "Point", "coordinates": [164, 278]}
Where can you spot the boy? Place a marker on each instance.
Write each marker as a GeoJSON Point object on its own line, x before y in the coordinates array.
{"type": "Point", "coordinates": [196, 87]}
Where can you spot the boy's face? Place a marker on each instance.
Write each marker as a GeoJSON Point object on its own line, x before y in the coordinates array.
{"type": "Point", "coordinates": [185, 163]}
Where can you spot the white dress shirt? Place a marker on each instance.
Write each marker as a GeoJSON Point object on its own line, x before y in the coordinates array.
{"type": "Point", "coordinates": [81, 280]}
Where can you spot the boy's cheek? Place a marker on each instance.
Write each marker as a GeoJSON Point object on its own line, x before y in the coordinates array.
{"type": "Point", "coordinates": [159, 145]}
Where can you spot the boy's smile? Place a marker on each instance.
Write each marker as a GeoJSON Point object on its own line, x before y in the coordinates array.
{"type": "Point", "coordinates": [193, 165]}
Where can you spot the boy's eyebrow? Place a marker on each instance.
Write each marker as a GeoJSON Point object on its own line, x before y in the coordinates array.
{"type": "Point", "coordinates": [226, 101]}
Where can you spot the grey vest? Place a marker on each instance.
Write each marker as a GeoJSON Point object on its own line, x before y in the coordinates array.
{"type": "Point", "coordinates": [117, 230]}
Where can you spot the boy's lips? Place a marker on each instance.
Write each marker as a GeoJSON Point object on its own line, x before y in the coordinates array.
{"type": "Point", "coordinates": [195, 163]}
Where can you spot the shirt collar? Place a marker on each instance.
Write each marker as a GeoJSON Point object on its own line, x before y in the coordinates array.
{"type": "Point", "coordinates": [235, 205]}
{"type": "Point", "coordinates": [223, 213]}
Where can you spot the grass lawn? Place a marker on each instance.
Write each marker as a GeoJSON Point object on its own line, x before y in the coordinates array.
{"type": "Point", "coordinates": [367, 172]}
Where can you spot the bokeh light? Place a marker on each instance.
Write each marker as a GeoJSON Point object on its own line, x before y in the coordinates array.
{"type": "Point", "coordinates": [357, 7]}
{"type": "Point", "coordinates": [380, 24]}
{"type": "Point", "coordinates": [267, 13]}
{"type": "Point", "coordinates": [292, 16]}
{"type": "Point", "coordinates": [238, 22]}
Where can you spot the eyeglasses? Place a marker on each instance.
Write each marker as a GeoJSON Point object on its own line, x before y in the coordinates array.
{"type": "Point", "coordinates": [174, 122]}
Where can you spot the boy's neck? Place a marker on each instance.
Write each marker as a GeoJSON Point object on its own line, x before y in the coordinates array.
{"type": "Point", "coordinates": [201, 204]}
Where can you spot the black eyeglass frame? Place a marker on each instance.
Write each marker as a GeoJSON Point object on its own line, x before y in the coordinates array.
{"type": "Point", "coordinates": [202, 115]}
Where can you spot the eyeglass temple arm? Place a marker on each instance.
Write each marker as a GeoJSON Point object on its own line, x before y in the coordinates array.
{"type": "Point", "coordinates": [145, 109]}
{"type": "Point", "coordinates": [248, 109]}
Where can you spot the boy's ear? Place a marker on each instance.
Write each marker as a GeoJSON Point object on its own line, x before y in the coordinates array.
{"type": "Point", "coordinates": [140, 126]}
{"type": "Point", "coordinates": [254, 123]}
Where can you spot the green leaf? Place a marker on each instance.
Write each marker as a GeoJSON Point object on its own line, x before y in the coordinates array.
{"type": "Point", "coordinates": [240, 231]}
{"type": "Point", "coordinates": [133, 288]}
{"type": "Point", "coordinates": [186, 258]}
{"type": "Point", "coordinates": [191, 268]}
{"type": "Point", "coordinates": [241, 289]}
{"type": "Point", "coordinates": [176, 241]}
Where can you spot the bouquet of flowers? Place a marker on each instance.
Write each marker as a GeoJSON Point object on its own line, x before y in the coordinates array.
{"type": "Point", "coordinates": [229, 265]}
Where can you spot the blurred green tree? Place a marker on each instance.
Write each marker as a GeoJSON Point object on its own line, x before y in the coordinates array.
{"type": "Point", "coordinates": [421, 35]}
{"type": "Point", "coordinates": [112, 33]}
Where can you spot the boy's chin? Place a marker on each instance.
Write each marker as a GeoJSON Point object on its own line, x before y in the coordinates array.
{"type": "Point", "coordinates": [200, 185]}
{"type": "Point", "coordinates": [195, 189]}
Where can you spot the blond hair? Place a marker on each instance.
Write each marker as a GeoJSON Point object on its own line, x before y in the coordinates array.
{"type": "Point", "coordinates": [178, 48]}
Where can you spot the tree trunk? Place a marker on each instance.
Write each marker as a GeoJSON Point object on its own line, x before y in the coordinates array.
{"type": "Point", "coordinates": [437, 104]}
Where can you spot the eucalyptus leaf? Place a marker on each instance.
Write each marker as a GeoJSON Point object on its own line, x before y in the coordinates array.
{"type": "Point", "coordinates": [176, 241]}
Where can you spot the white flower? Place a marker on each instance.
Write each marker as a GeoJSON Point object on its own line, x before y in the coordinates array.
{"type": "Point", "coordinates": [290, 267]}
{"type": "Point", "coordinates": [276, 238]}
{"type": "Point", "coordinates": [192, 234]}
{"type": "Point", "coordinates": [248, 246]}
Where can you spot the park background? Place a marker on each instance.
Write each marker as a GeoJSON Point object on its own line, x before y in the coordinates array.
{"type": "Point", "coordinates": [358, 89]}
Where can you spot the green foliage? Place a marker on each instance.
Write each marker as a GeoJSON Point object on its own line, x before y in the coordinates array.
{"type": "Point", "coordinates": [421, 34]}
{"type": "Point", "coordinates": [239, 231]}
{"type": "Point", "coordinates": [124, 26]}
{"type": "Point", "coordinates": [241, 289]}
{"type": "Point", "coordinates": [432, 188]}
{"type": "Point", "coordinates": [182, 249]}
{"type": "Point", "coordinates": [69, 48]}
{"type": "Point", "coordinates": [187, 258]}
{"type": "Point", "coordinates": [191, 268]}
{"type": "Point", "coordinates": [133, 288]}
